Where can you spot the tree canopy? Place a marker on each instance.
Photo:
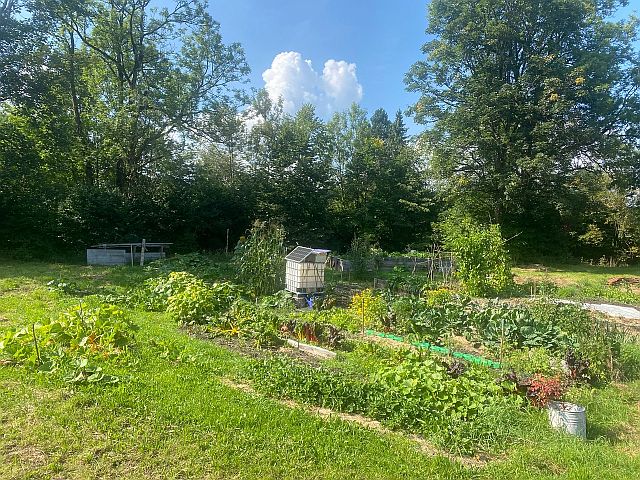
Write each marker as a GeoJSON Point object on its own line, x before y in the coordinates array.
{"type": "Point", "coordinates": [120, 120]}
{"type": "Point", "coordinates": [521, 95]}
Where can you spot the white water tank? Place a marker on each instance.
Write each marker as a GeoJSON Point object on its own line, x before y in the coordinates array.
{"type": "Point", "coordinates": [305, 270]}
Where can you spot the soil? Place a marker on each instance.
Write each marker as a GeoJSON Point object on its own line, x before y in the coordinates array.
{"type": "Point", "coordinates": [247, 349]}
{"type": "Point", "coordinates": [461, 344]}
{"type": "Point", "coordinates": [617, 281]}
{"type": "Point", "coordinates": [26, 455]}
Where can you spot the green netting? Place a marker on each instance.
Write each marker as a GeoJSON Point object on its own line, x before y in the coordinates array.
{"type": "Point", "coordinates": [438, 349]}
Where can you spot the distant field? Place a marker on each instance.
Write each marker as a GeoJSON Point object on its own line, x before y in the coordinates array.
{"type": "Point", "coordinates": [175, 416]}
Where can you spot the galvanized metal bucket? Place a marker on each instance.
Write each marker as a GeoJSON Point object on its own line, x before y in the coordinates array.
{"type": "Point", "coordinates": [568, 417]}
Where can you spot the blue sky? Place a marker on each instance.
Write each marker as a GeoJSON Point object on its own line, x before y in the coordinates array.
{"type": "Point", "coordinates": [345, 51]}
{"type": "Point", "coordinates": [382, 39]}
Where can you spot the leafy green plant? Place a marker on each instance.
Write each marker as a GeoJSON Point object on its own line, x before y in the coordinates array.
{"type": "Point", "coordinates": [85, 372]}
{"type": "Point", "coordinates": [430, 318]}
{"type": "Point", "coordinates": [282, 300]}
{"type": "Point", "coordinates": [401, 281]}
{"type": "Point", "coordinates": [62, 286]}
{"type": "Point", "coordinates": [192, 303]}
{"type": "Point", "coordinates": [154, 293]}
{"type": "Point", "coordinates": [171, 351]}
{"type": "Point", "coordinates": [370, 308]}
{"type": "Point", "coordinates": [71, 343]}
{"type": "Point", "coordinates": [259, 261]}
{"type": "Point", "coordinates": [416, 393]}
{"type": "Point", "coordinates": [264, 327]}
{"type": "Point", "coordinates": [440, 296]}
{"type": "Point", "coordinates": [342, 318]}
{"type": "Point", "coordinates": [543, 390]}
{"type": "Point", "coordinates": [312, 326]}
{"type": "Point", "coordinates": [530, 361]}
{"type": "Point", "coordinates": [482, 261]}
{"type": "Point", "coordinates": [590, 339]}
{"type": "Point", "coordinates": [433, 322]}
{"type": "Point", "coordinates": [498, 325]}
{"type": "Point", "coordinates": [191, 300]}
{"type": "Point", "coordinates": [360, 255]}
{"type": "Point", "coordinates": [206, 267]}
{"type": "Point", "coordinates": [246, 319]}
{"type": "Point", "coordinates": [629, 361]}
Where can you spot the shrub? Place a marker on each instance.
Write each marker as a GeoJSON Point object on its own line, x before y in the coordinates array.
{"type": "Point", "coordinates": [360, 255]}
{"type": "Point", "coordinates": [482, 262]}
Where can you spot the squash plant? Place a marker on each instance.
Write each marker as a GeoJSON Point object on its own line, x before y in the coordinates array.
{"type": "Point", "coordinates": [73, 343]}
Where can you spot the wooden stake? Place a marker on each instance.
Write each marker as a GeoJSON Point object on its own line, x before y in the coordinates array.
{"type": "Point", "coordinates": [144, 242]}
{"type": "Point", "coordinates": [35, 343]}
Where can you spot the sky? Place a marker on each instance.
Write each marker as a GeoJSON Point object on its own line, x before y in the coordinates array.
{"type": "Point", "coordinates": [327, 52]}
{"type": "Point", "coordinates": [332, 53]}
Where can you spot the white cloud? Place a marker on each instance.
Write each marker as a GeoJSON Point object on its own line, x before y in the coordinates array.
{"type": "Point", "coordinates": [293, 79]}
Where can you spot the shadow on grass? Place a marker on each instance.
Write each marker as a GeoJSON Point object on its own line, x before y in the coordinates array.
{"type": "Point", "coordinates": [613, 434]}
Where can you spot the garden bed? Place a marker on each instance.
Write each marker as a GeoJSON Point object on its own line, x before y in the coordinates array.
{"type": "Point", "coordinates": [465, 375]}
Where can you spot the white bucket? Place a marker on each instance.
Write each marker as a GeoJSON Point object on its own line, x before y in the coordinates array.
{"type": "Point", "coordinates": [568, 417]}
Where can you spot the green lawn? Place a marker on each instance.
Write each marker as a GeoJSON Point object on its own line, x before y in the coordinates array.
{"type": "Point", "coordinates": [177, 419]}
{"type": "Point", "coordinates": [584, 282]}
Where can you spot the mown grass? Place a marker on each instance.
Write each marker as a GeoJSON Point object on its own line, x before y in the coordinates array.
{"type": "Point", "coordinates": [172, 418]}
{"type": "Point", "coordinates": [583, 282]}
